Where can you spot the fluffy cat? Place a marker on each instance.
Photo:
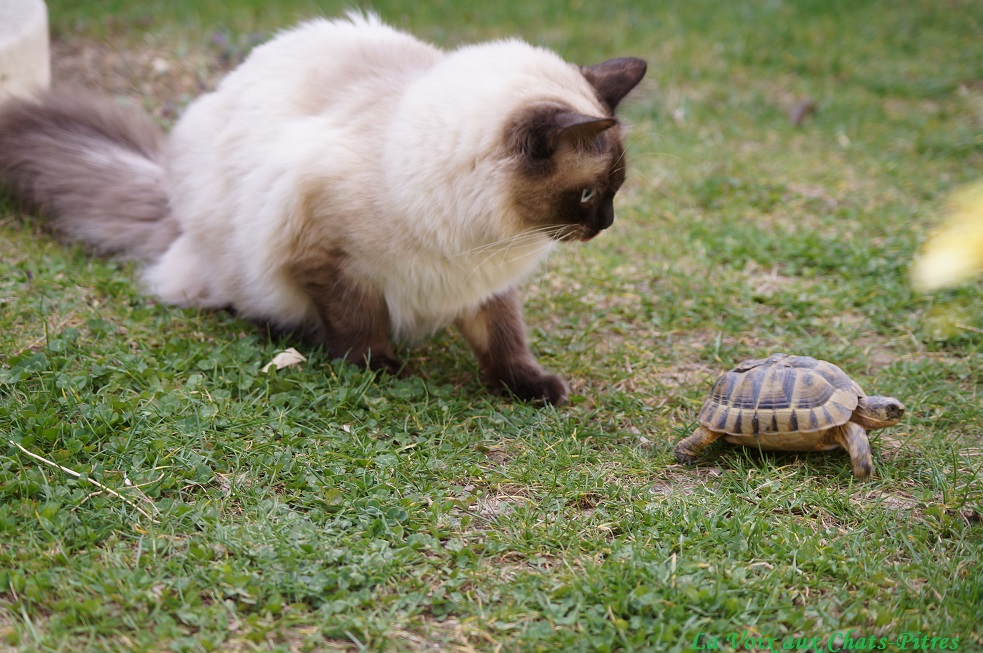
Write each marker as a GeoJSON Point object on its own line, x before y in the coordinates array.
{"type": "Point", "coordinates": [349, 180]}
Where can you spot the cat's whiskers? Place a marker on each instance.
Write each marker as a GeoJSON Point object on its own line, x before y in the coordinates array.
{"type": "Point", "coordinates": [621, 158]}
{"type": "Point", "coordinates": [534, 234]}
{"type": "Point", "coordinates": [517, 247]}
{"type": "Point", "coordinates": [635, 156]}
{"type": "Point", "coordinates": [633, 171]}
{"type": "Point", "coordinates": [656, 184]}
{"type": "Point", "coordinates": [653, 183]}
{"type": "Point", "coordinates": [552, 252]}
{"type": "Point", "coordinates": [526, 244]}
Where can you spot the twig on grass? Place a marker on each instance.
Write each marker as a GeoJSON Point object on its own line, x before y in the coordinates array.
{"type": "Point", "coordinates": [136, 487]}
{"type": "Point", "coordinates": [79, 476]}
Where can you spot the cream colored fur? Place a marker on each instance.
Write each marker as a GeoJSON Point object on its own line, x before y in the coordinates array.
{"type": "Point", "coordinates": [347, 136]}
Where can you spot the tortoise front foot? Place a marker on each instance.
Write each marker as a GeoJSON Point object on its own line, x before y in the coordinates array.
{"type": "Point", "coordinates": [853, 438]}
{"type": "Point", "coordinates": [684, 457]}
{"type": "Point", "coordinates": [689, 448]}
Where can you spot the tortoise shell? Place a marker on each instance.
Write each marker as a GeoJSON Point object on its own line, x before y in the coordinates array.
{"type": "Point", "coordinates": [780, 394]}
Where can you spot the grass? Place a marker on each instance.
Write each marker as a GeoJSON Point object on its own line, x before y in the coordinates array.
{"type": "Point", "coordinates": [323, 508]}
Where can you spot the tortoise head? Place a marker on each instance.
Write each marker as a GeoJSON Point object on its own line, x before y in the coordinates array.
{"type": "Point", "coordinates": [878, 412]}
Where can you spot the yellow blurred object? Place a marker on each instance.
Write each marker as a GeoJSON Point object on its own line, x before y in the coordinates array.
{"type": "Point", "coordinates": [955, 252]}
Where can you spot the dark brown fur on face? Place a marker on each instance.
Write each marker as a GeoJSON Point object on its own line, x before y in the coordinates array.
{"type": "Point", "coordinates": [568, 169]}
{"type": "Point", "coordinates": [93, 166]}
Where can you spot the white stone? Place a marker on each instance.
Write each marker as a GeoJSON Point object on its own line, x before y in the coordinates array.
{"type": "Point", "coordinates": [25, 66]}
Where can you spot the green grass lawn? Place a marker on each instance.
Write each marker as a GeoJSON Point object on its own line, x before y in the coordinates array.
{"type": "Point", "coordinates": [324, 509]}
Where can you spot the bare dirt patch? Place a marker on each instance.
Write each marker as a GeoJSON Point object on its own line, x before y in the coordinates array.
{"type": "Point", "coordinates": [689, 374]}
{"type": "Point", "coordinates": [765, 282]}
{"type": "Point", "coordinates": [159, 79]}
{"type": "Point", "coordinates": [684, 480]}
{"type": "Point", "coordinates": [492, 506]}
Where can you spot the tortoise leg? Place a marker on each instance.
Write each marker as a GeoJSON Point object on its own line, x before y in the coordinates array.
{"type": "Point", "coordinates": [853, 438]}
{"type": "Point", "coordinates": [689, 448]}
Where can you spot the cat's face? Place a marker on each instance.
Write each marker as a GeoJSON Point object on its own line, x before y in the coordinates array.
{"type": "Point", "coordinates": [567, 176]}
{"type": "Point", "coordinates": [569, 165]}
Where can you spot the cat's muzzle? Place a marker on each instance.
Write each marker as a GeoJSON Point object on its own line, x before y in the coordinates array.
{"type": "Point", "coordinates": [588, 233]}
{"type": "Point", "coordinates": [583, 232]}
{"type": "Point", "coordinates": [604, 219]}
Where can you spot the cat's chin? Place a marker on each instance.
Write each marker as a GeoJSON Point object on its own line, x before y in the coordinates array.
{"type": "Point", "coordinates": [588, 234]}
{"type": "Point", "coordinates": [582, 234]}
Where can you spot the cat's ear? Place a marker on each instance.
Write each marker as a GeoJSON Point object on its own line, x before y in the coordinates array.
{"type": "Point", "coordinates": [614, 79]}
{"type": "Point", "coordinates": [539, 131]}
{"type": "Point", "coordinates": [577, 130]}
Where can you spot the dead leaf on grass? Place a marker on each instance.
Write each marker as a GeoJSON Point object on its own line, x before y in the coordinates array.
{"type": "Point", "coordinates": [287, 358]}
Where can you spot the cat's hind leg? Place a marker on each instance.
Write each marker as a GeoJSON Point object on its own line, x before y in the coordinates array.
{"type": "Point", "coordinates": [354, 319]}
{"type": "Point", "coordinates": [496, 333]}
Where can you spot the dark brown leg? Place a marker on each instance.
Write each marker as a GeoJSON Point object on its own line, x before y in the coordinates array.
{"type": "Point", "coordinates": [497, 335]}
{"type": "Point", "coordinates": [354, 320]}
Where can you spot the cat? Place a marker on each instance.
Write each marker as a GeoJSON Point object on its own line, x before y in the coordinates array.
{"type": "Point", "coordinates": [346, 179]}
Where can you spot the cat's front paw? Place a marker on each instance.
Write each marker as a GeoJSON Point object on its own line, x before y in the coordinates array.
{"type": "Point", "coordinates": [547, 388]}
{"type": "Point", "coordinates": [384, 362]}
{"type": "Point", "coordinates": [380, 359]}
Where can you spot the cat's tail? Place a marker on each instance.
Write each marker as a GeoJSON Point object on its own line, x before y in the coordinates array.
{"type": "Point", "coordinates": [93, 166]}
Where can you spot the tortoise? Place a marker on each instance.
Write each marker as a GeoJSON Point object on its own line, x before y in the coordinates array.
{"type": "Point", "coordinates": [791, 403]}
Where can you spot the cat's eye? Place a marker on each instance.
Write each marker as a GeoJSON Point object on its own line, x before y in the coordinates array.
{"type": "Point", "coordinates": [586, 195]}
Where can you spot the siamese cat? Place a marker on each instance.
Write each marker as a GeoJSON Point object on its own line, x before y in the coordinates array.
{"type": "Point", "coordinates": [346, 180]}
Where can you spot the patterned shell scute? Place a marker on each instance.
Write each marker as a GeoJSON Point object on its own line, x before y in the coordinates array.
{"type": "Point", "coordinates": [780, 394]}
